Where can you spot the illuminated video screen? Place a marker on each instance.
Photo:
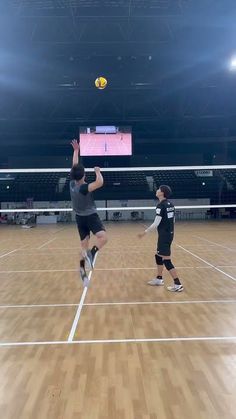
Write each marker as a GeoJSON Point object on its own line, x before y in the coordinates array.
{"type": "Point", "coordinates": [105, 141]}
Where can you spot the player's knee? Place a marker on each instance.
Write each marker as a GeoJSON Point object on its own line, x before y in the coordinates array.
{"type": "Point", "coordinates": [159, 260]}
{"type": "Point", "coordinates": [168, 264]}
{"type": "Point", "coordinates": [102, 238]}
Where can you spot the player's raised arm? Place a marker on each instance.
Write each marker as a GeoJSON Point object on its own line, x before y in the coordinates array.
{"type": "Point", "coordinates": [98, 183]}
{"type": "Point", "coordinates": [76, 149]}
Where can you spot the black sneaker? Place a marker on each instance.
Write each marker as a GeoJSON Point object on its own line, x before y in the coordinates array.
{"type": "Point", "coordinates": [84, 277]}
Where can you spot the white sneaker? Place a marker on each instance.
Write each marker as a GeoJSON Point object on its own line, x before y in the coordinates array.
{"type": "Point", "coordinates": [156, 281]}
{"type": "Point", "coordinates": [175, 288]}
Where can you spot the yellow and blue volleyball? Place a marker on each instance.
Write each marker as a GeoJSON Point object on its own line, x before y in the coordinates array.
{"type": "Point", "coordinates": [101, 83]}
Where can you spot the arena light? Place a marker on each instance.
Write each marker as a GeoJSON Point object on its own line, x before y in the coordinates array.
{"type": "Point", "coordinates": [233, 64]}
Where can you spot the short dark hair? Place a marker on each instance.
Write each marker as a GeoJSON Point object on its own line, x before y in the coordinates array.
{"type": "Point", "coordinates": [166, 190]}
{"type": "Point", "coordinates": [77, 172]}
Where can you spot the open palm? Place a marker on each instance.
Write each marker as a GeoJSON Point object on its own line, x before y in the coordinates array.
{"type": "Point", "coordinates": [75, 144]}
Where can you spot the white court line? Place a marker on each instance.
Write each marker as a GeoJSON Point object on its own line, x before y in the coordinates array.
{"type": "Point", "coordinates": [212, 266]}
{"type": "Point", "coordinates": [39, 305]}
{"type": "Point", "coordinates": [110, 341]}
{"type": "Point", "coordinates": [13, 251]}
{"type": "Point", "coordinates": [102, 269]}
{"type": "Point", "coordinates": [39, 270]}
{"type": "Point", "coordinates": [5, 254]}
{"type": "Point", "coordinates": [215, 244]}
{"type": "Point", "coordinates": [44, 244]}
{"type": "Point", "coordinates": [163, 302]}
{"type": "Point", "coordinates": [77, 316]}
{"type": "Point", "coordinates": [116, 249]}
{"type": "Point", "coordinates": [75, 251]}
{"type": "Point", "coordinates": [110, 250]}
{"type": "Point", "coordinates": [60, 229]}
{"type": "Point", "coordinates": [120, 303]}
{"type": "Point", "coordinates": [148, 268]}
{"type": "Point", "coordinates": [200, 246]}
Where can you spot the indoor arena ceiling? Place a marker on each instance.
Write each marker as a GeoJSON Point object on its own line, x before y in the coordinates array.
{"type": "Point", "coordinates": [166, 62]}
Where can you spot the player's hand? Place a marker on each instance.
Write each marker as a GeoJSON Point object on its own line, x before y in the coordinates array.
{"type": "Point", "coordinates": [97, 169]}
{"type": "Point", "coordinates": [141, 235]}
{"type": "Point", "coordinates": [75, 145]}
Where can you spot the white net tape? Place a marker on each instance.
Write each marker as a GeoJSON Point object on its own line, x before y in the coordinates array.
{"type": "Point", "coordinates": [122, 169]}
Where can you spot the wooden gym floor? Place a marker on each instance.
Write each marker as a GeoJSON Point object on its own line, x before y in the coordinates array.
{"type": "Point", "coordinates": [121, 349]}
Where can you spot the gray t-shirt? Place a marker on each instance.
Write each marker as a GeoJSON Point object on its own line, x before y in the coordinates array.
{"type": "Point", "coordinates": [82, 200]}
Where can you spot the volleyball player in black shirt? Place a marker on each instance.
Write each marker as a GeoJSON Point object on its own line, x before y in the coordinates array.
{"type": "Point", "coordinates": [86, 213]}
{"type": "Point", "coordinates": [164, 222]}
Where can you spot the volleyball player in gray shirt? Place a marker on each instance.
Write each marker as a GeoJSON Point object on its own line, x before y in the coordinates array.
{"type": "Point", "coordinates": [86, 213]}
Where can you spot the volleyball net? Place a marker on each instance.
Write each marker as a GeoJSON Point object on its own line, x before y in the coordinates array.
{"type": "Point", "coordinates": [199, 192]}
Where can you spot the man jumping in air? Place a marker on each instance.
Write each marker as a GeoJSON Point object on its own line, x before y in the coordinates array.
{"type": "Point", "coordinates": [86, 214]}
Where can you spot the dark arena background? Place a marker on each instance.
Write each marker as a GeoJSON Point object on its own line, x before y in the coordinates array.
{"type": "Point", "coordinates": [117, 348]}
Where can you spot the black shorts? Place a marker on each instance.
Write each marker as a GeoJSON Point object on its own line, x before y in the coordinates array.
{"type": "Point", "coordinates": [164, 244]}
{"type": "Point", "coordinates": [87, 223]}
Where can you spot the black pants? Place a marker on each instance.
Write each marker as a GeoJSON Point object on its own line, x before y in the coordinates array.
{"type": "Point", "coordinates": [87, 223]}
{"type": "Point", "coordinates": [164, 244]}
